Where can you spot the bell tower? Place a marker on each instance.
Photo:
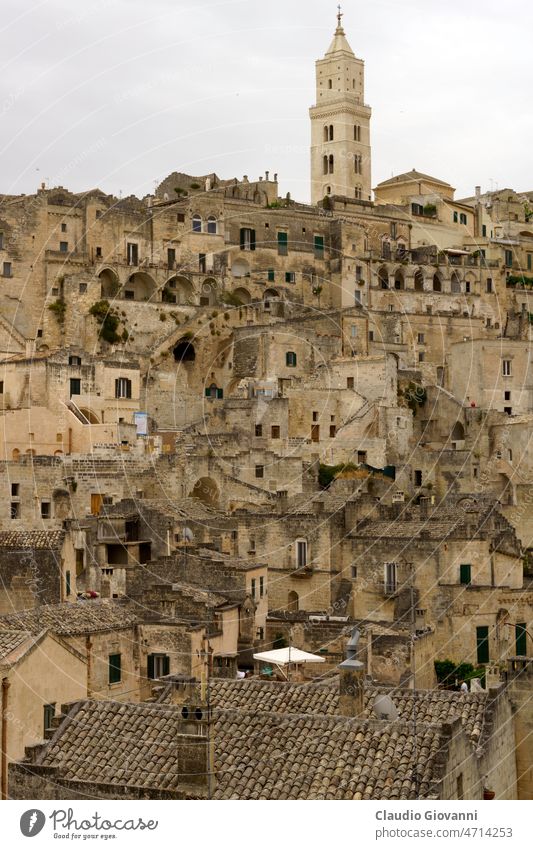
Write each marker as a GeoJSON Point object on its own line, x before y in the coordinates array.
{"type": "Point", "coordinates": [340, 124]}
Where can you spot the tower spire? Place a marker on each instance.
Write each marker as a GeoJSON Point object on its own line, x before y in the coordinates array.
{"type": "Point", "coordinates": [340, 14]}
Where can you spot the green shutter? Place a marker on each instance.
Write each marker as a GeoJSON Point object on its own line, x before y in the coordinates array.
{"type": "Point", "coordinates": [521, 638]}
{"type": "Point", "coordinates": [283, 240]}
{"type": "Point", "coordinates": [151, 673]}
{"type": "Point", "coordinates": [220, 393]}
{"type": "Point", "coordinates": [482, 641]}
{"type": "Point", "coordinates": [271, 275]}
{"type": "Point", "coordinates": [166, 665]}
{"type": "Point", "coordinates": [115, 673]}
{"type": "Point", "coordinates": [465, 573]}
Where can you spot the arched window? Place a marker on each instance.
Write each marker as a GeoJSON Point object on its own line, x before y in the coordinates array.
{"type": "Point", "coordinates": [437, 284]}
{"type": "Point", "coordinates": [331, 162]}
{"type": "Point", "coordinates": [383, 277]}
{"type": "Point", "coordinates": [293, 601]}
{"type": "Point", "coordinates": [212, 225]}
{"type": "Point", "coordinates": [290, 359]}
{"type": "Point", "coordinates": [356, 132]}
{"type": "Point", "coordinates": [330, 83]}
{"type": "Point", "coordinates": [419, 281]}
{"type": "Point", "coordinates": [196, 224]}
{"type": "Point", "coordinates": [325, 164]}
{"type": "Point", "coordinates": [331, 132]}
{"type": "Point", "coordinates": [326, 133]}
{"type": "Point", "coordinates": [358, 193]}
{"type": "Point", "coordinates": [358, 163]}
{"type": "Point", "coordinates": [328, 190]}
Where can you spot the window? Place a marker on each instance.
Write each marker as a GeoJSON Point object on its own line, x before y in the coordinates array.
{"type": "Point", "coordinates": [63, 247]}
{"type": "Point", "coordinates": [129, 295]}
{"type": "Point", "coordinates": [122, 387]}
{"type": "Point", "coordinates": [507, 395]}
{"type": "Point", "coordinates": [417, 209]}
{"type": "Point", "coordinates": [357, 132]}
{"type": "Point", "coordinates": [74, 361]}
{"type": "Point", "coordinates": [390, 577]}
{"type": "Point", "coordinates": [484, 230]}
{"type": "Point", "coordinates": [349, 383]}
{"type": "Point", "coordinates": [82, 290]}
{"type": "Point", "coordinates": [463, 218]}
{"type": "Point", "coordinates": [509, 259]}
{"type": "Point", "coordinates": [354, 571]}
{"type": "Point", "coordinates": [259, 471]}
{"type": "Point", "coordinates": [212, 225]}
{"type": "Point", "coordinates": [325, 165]}
{"type": "Point", "coordinates": [68, 583]}
{"type": "Point", "coordinates": [202, 263]}
{"type": "Point", "coordinates": [247, 239]}
{"type": "Point", "coordinates": [14, 510]}
{"type": "Point", "coordinates": [196, 224]}
{"type": "Point", "coordinates": [301, 553]}
{"type": "Point", "coordinates": [46, 510]}
{"type": "Point", "coordinates": [271, 275]}
{"type": "Point", "coordinates": [315, 416]}
{"type": "Point", "coordinates": [319, 247]}
{"type": "Point", "coordinates": [180, 217]}
{"type": "Point", "coordinates": [508, 410]}
{"type": "Point", "coordinates": [75, 386]}
{"type": "Point", "coordinates": [330, 83]}
{"type": "Point", "coordinates": [418, 477]}
{"type": "Point", "coordinates": [465, 573]}
{"type": "Point", "coordinates": [275, 431]}
{"type": "Point", "coordinates": [158, 665]}
{"type": "Point", "coordinates": [253, 589]}
{"type": "Point", "coordinates": [15, 490]}
{"type": "Point", "coordinates": [290, 277]}
{"type": "Point", "coordinates": [171, 257]}
{"type": "Point", "coordinates": [506, 368]}
{"type": "Point", "coordinates": [460, 791]}
{"type": "Point", "coordinates": [361, 457]}
{"type": "Point", "coordinates": [114, 669]}
{"type": "Point", "coordinates": [259, 430]}
{"type": "Point", "coordinates": [521, 638]}
{"type": "Point", "coordinates": [6, 269]}
{"type": "Point", "coordinates": [132, 253]}
{"type": "Point", "coordinates": [332, 431]}
{"type": "Point", "coordinates": [63, 228]}
{"type": "Point", "coordinates": [421, 338]}
{"type": "Point", "coordinates": [331, 163]}
{"type": "Point", "coordinates": [421, 356]}
{"type": "Point", "coordinates": [290, 359]}
{"type": "Point", "coordinates": [261, 587]}
{"type": "Point", "coordinates": [455, 217]}
{"type": "Point", "coordinates": [370, 335]}
{"type": "Point", "coordinates": [1, 241]}
{"type": "Point", "coordinates": [358, 163]}
{"type": "Point", "coordinates": [1, 387]}
{"type": "Point", "coordinates": [283, 244]}
{"type": "Point", "coordinates": [49, 711]}
{"type": "Point", "coordinates": [489, 285]}
{"type": "Point", "coordinates": [529, 261]}
{"type": "Point", "coordinates": [482, 643]}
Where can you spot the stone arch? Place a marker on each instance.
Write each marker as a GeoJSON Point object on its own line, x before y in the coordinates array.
{"type": "Point", "coordinates": [180, 288]}
{"type": "Point", "coordinates": [383, 277]}
{"type": "Point", "coordinates": [140, 287]}
{"type": "Point", "coordinates": [437, 282]}
{"type": "Point", "coordinates": [456, 286]}
{"type": "Point", "coordinates": [91, 417]}
{"type": "Point", "coordinates": [240, 268]}
{"type": "Point", "coordinates": [209, 294]}
{"type": "Point", "coordinates": [206, 490]}
{"type": "Point", "coordinates": [399, 279]}
{"type": "Point", "coordinates": [458, 432]}
{"type": "Point", "coordinates": [184, 352]}
{"type": "Point", "coordinates": [15, 455]}
{"type": "Point", "coordinates": [243, 295]}
{"type": "Point", "coordinates": [419, 280]}
{"type": "Point", "coordinates": [293, 601]}
{"type": "Point", "coordinates": [109, 283]}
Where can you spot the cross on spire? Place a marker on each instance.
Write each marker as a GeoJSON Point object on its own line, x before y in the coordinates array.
{"type": "Point", "coordinates": [339, 15]}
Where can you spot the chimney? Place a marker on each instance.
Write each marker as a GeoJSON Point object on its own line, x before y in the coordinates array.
{"type": "Point", "coordinates": [352, 677]}
{"type": "Point", "coordinates": [478, 193]}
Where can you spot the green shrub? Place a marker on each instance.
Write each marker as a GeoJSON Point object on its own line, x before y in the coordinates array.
{"type": "Point", "coordinates": [59, 309]}
{"type": "Point", "coordinates": [108, 321]}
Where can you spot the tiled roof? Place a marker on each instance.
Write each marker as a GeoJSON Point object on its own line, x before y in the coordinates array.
{"type": "Point", "coordinates": [79, 617]}
{"type": "Point", "coordinates": [267, 756]}
{"type": "Point", "coordinates": [11, 640]}
{"type": "Point", "coordinates": [432, 706]}
{"type": "Point", "coordinates": [31, 539]}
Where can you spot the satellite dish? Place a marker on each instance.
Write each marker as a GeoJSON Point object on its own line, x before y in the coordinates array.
{"type": "Point", "coordinates": [384, 708]}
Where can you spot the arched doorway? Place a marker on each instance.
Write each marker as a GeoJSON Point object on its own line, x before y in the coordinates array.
{"type": "Point", "coordinates": [184, 351]}
{"type": "Point", "coordinates": [243, 295]}
{"type": "Point", "coordinates": [109, 283]}
{"type": "Point", "coordinates": [293, 602]}
{"type": "Point", "coordinates": [206, 490]}
{"type": "Point", "coordinates": [140, 287]}
{"type": "Point", "coordinates": [399, 282]}
{"type": "Point", "coordinates": [437, 283]}
{"type": "Point", "coordinates": [419, 280]}
{"type": "Point", "coordinates": [458, 432]}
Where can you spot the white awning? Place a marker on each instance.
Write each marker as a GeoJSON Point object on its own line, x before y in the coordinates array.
{"type": "Point", "coordinates": [290, 654]}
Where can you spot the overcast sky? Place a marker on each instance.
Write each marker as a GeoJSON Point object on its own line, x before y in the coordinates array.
{"type": "Point", "coordinates": [119, 93]}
